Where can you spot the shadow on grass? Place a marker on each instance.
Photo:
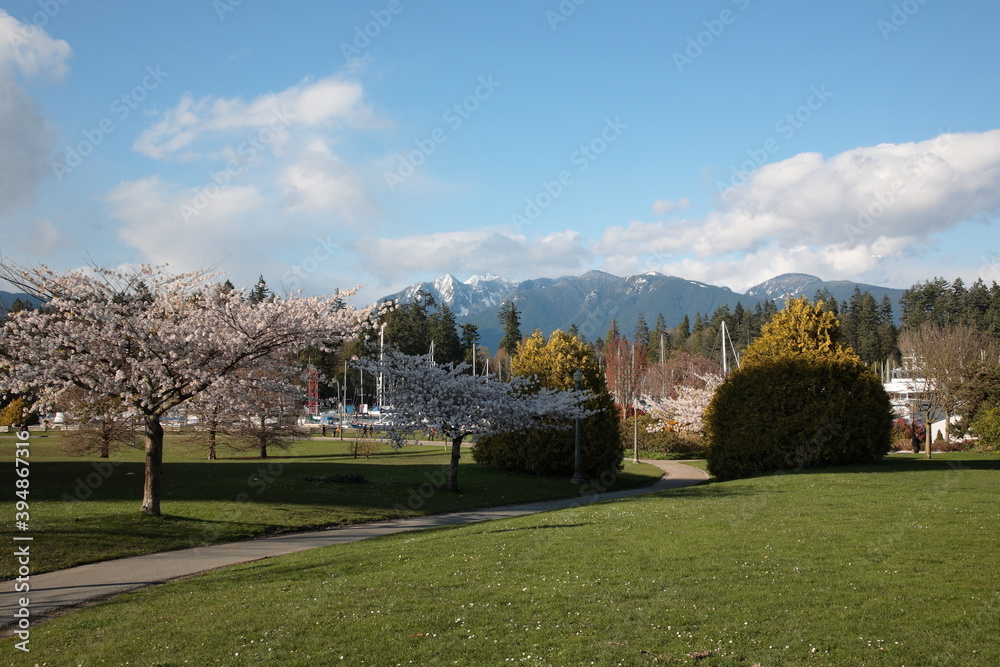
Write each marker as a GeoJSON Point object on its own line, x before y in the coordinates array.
{"type": "Point", "coordinates": [892, 464]}
{"type": "Point", "coordinates": [709, 489]}
{"type": "Point", "coordinates": [911, 463]}
{"type": "Point", "coordinates": [551, 525]}
{"type": "Point", "coordinates": [289, 482]}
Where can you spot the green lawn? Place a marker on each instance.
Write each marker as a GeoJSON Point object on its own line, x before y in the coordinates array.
{"type": "Point", "coordinates": [86, 510]}
{"type": "Point", "coordinates": [886, 564]}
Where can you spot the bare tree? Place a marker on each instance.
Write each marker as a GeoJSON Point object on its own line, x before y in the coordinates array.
{"type": "Point", "coordinates": [626, 369]}
{"type": "Point", "coordinates": [266, 418]}
{"type": "Point", "coordinates": [940, 358]}
{"type": "Point", "coordinates": [95, 425]}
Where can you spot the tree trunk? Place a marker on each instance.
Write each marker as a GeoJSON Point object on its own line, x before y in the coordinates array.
{"type": "Point", "coordinates": [928, 437]}
{"type": "Point", "coordinates": [263, 439]}
{"type": "Point", "coordinates": [154, 465]}
{"type": "Point", "coordinates": [213, 430]}
{"type": "Point", "coordinates": [456, 453]}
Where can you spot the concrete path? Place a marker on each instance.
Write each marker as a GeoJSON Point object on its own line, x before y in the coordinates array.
{"type": "Point", "coordinates": [87, 584]}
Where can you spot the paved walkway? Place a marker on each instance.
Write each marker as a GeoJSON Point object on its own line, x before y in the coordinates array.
{"type": "Point", "coordinates": [86, 584]}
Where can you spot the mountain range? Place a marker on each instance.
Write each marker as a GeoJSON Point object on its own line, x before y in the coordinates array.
{"type": "Point", "coordinates": [7, 299]}
{"type": "Point", "coordinates": [593, 299]}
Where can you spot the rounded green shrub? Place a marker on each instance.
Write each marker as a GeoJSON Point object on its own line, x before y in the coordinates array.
{"type": "Point", "coordinates": [794, 412]}
{"type": "Point", "coordinates": [551, 451]}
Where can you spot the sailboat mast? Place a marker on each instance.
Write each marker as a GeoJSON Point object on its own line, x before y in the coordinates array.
{"type": "Point", "coordinates": [725, 360]}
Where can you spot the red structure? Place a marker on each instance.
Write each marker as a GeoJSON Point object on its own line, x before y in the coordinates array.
{"type": "Point", "coordinates": [312, 397]}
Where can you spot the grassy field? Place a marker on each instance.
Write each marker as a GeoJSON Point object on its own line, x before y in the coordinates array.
{"type": "Point", "coordinates": [86, 510]}
{"type": "Point", "coordinates": [885, 564]}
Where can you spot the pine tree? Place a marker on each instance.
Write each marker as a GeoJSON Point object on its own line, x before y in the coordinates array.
{"type": "Point", "coordinates": [469, 339]}
{"type": "Point", "coordinates": [510, 321]}
{"type": "Point", "coordinates": [865, 320]}
{"type": "Point", "coordinates": [407, 326]}
{"type": "Point", "coordinates": [683, 329]}
{"type": "Point", "coordinates": [442, 329]}
{"type": "Point", "coordinates": [613, 333]}
{"type": "Point", "coordinates": [260, 292]}
{"type": "Point", "coordinates": [770, 310]}
{"type": "Point", "coordinates": [887, 332]}
{"type": "Point", "coordinates": [659, 341]}
{"type": "Point", "coordinates": [977, 304]}
{"type": "Point", "coordinates": [641, 334]}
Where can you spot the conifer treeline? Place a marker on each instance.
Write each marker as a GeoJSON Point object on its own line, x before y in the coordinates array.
{"type": "Point", "coordinates": [868, 326]}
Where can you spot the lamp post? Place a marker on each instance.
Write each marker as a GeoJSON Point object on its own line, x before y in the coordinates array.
{"type": "Point", "coordinates": [578, 459]}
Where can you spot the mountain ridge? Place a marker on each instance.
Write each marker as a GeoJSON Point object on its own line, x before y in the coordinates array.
{"type": "Point", "coordinates": [591, 300]}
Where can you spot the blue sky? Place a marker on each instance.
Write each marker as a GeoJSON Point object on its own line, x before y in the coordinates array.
{"type": "Point", "coordinates": [328, 145]}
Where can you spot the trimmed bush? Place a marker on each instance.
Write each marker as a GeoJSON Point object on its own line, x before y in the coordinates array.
{"type": "Point", "coordinates": [551, 451]}
{"type": "Point", "coordinates": [796, 412]}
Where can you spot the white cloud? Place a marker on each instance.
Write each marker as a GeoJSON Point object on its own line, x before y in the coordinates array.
{"type": "Point", "coordinates": [41, 237]}
{"type": "Point", "coordinates": [153, 222]}
{"type": "Point", "coordinates": [331, 101]}
{"type": "Point", "coordinates": [242, 230]}
{"type": "Point", "coordinates": [859, 213]}
{"type": "Point", "coordinates": [25, 136]}
{"type": "Point", "coordinates": [475, 251]}
{"type": "Point", "coordinates": [666, 206]}
{"type": "Point", "coordinates": [320, 181]}
{"type": "Point", "coordinates": [30, 50]}
{"type": "Point", "coordinates": [891, 190]}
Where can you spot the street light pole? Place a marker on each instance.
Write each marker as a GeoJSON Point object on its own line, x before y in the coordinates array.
{"type": "Point", "coordinates": [578, 458]}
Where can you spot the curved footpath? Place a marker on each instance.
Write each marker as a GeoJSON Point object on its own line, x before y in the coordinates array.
{"type": "Point", "coordinates": [87, 584]}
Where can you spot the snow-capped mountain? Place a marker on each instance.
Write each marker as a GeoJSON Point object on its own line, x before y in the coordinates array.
{"type": "Point", "coordinates": [786, 286]}
{"type": "Point", "coordinates": [465, 299]}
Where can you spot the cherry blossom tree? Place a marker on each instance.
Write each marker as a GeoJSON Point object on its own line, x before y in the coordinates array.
{"type": "Point", "coordinates": [683, 411]}
{"type": "Point", "coordinates": [422, 395]}
{"type": "Point", "coordinates": [152, 339]}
